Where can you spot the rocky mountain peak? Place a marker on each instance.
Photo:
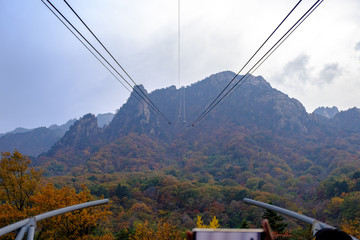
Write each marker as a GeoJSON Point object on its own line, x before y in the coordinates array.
{"type": "Point", "coordinates": [326, 111]}
{"type": "Point", "coordinates": [84, 132]}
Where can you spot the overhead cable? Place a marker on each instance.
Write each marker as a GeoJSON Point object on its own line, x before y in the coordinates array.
{"type": "Point", "coordinates": [134, 89]}
{"type": "Point", "coordinates": [86, 46]}
{"type": "Point", "coordinates": [218, 96]}
{"type": "Point", "coordinates": [282, 41]}
{"type": "Point", "coordinates": [264, 57]}
{"type": "Point", "coordinates": [135, 84]}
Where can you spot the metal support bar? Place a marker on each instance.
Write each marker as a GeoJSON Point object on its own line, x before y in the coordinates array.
{"type": "Point", "coordinates": [31, 233]}
{"type": "Point", "coordinates": [21, 233]}
{"type": "Point", "coordinates": [14, 226]}
{"type": "Point", "coordinates": [287, 212]}
{"type": "Point", "coordinates": [316, 225]}
{"type": "Point", "coordinates": [29, 224]}
{"type": "Point", "coordinates": [69, 209]}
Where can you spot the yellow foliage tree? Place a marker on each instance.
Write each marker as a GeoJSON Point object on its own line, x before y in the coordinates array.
{"type": "Point", "coordinates": [199, 222]}
{"type": "Point", "coordinates": [214, 223]}
{"type": "Point", "coordinates": [17, 182]}
{"type": "Point", "coordinates": [333, 207]}
{"type": "Point", "coordinates": [351, 227]}
{"type": "Point", "coordinates": [22, 195]}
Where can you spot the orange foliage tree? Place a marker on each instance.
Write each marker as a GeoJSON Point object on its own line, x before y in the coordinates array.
{"type": "Point", "coordinates": [22, 195]}
{"type": "Point", "coordinates": [80, 224]}
{"type": "Point", "coordinates": [164, 231]}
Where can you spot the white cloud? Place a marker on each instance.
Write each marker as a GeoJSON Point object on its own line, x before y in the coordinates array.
{"type": "Point", "coordinates": [329, 73]}
{"type": "Point", "coordinates": [357, 47]}
{"type": "Point", "coordinates": [300, 73]}
{"type": "Point", "coordinates": [295, 72]}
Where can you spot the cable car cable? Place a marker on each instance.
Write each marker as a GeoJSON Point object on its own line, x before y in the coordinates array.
{"type": "Point", "coordinates": [86, 47]}
{"type": "Point", "coordinates": [106, 60]}
{"type": "Point", "coordinates": [298, 22]}
{"type": "Point", "coordinates": [250, 59]}
{"type": "Point", "coordinates": [276, 47]}
{"type": "Point", "coordinates": [261, 60]}
{"type": "Point", "coordinates": [251, 73]}
{"type": "Point", "coordinates": [135, 84]}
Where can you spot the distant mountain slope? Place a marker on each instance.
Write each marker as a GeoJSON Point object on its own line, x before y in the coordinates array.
{"type": "Point", "coordinates": [39, 140]}
{"type": "Point", "coordinates": [18, 130]}
{"type": "Point", "coordinates": [348, 121]}
{"type": "Point", "coordinates": [33, 141]}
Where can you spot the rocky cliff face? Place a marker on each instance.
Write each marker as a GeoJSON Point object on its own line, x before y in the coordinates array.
{"type": "Point", "coordinates": [137, 116]}
{"type": "Point", "coordinates": [74, 148]}
{"type": "Point", "coordinates": [83, 133]}
{"type": "Point", "coordinates": [256, 103]}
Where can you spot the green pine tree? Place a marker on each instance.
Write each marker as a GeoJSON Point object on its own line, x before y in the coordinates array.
{"type": "Point", "coordinates": [244, 224]}
{"type": "Point", "coordinates": [275, 221]}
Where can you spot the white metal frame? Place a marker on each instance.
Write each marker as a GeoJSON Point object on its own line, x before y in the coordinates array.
{"type": "Point", "coordinates": [316, 225]}
{"type": "Point", "coordinates": [29, 225]}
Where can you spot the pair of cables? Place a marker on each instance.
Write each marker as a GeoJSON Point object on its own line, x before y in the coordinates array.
{"type": "Point", "coordinates": [138, 93]}
{"type": "Point", "coordinates": [229, 89]}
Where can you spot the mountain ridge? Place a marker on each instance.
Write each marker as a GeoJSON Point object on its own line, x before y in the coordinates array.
{"type": "Point", "coordinates": [35, 141]}
{"type": "Point", "coordinates": [263, 115]}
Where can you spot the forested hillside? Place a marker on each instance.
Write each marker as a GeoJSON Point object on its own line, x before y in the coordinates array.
{"type": "Point", "coordinates": [258, 143]}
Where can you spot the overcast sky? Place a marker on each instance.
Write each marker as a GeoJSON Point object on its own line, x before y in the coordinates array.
{"type": "Point", "coordinates": [47, 76]}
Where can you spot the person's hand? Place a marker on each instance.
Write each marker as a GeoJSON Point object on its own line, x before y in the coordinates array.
{"type": "Point", "coordinates": [267, 230]}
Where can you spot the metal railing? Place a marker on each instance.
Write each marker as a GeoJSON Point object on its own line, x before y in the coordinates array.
{"type": "Point", "coordinates": [29, 225]}
{"type": "Point", "coordinates": [316, 224]}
